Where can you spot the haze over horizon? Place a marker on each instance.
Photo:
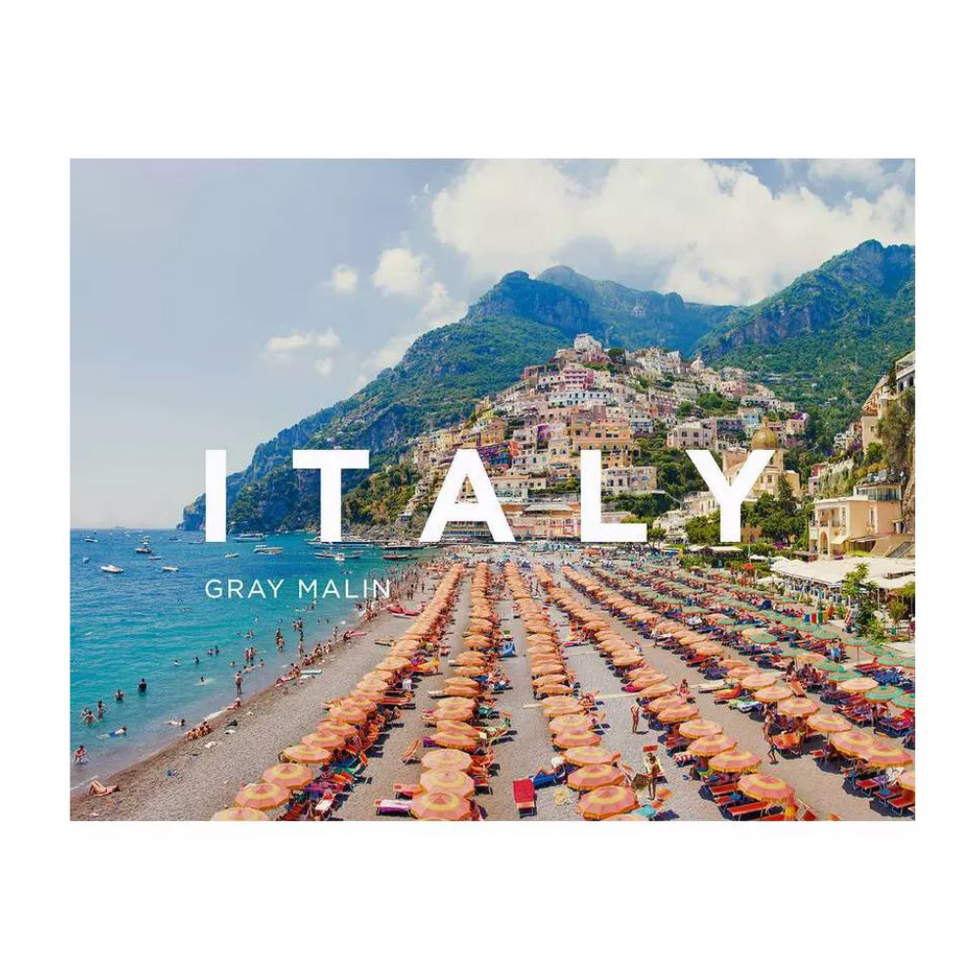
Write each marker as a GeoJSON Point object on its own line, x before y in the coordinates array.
{"type": "Point", "coordinates": [216, 302]}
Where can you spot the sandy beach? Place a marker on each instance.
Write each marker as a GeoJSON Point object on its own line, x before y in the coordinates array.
{"type": "Point", "coordinates": [191, 780]}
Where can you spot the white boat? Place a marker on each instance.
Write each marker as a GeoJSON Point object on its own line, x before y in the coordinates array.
{"type": "Point", "coordinates": [112, 569]}
{"type": "Point", "coordinates": [264, 549]}
{"type": "Point", "coordinates": [251, 536]}
{"type": "Point", "coordinates": [232, 554]}
{"type": "Point", "coordinates": [91, 540]}
{"type": "Point", "coordinates": [143, 550]}
{"type": "Point", "coordinates": [155, 558]}
{"type": "Point", "coordinates": [170, 568]}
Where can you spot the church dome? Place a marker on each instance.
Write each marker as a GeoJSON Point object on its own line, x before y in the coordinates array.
{"type": "Point", "coordinates": [764, 438]}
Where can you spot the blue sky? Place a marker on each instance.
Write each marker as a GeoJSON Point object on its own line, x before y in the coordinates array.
{"type": "Point", "coordinates": [217, 302]}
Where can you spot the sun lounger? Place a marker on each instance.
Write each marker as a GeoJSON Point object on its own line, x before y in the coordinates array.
{"type": "Point", "coordinates": [410, 790]}
{"type": "Point", "coordinates": [411, 754]}
{"type": "Point", "coordinates": [524, 796]}
{"type": "Point", "coordinates": [788, 742]}
{"type": "Point", "coordinates": [747, 811]}
{"type": "Point", "coordinates": [391, 808]}
{"type": "Point", "coordinates": [905, 801]}
{"type": "Point", "coordinates": [548, 777]}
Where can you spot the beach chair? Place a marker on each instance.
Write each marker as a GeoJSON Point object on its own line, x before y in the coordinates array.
{"type": "Point", "coordinates": [391, 808]}
{"type": "Point", "coordinates": [748, 811]}
{"type": "Point", "coordinates": [409, 790]}
{"type": "Point", "coordinates": [788, 742]}
{"type": "Point", "coordinates": [524, 797]}
{"type": "Point", "coordinates": [411, 754]}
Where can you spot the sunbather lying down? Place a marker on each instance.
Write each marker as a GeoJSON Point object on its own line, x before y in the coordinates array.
{"type": "Point", "coordinates": [95, 788]}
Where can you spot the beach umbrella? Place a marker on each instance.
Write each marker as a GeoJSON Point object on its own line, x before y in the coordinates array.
{"type": "Point", "coordinates": [666, 701]}
{"type": "Point", "coordinates": [829, 722]}
{"type": "Point", "coordinates": [371, 685]}
{"type": "Point", "coordinates": [446, 759]}
{"type": "Point", "coordinates": [773, 693]}
{"type": "Point", "coordinates": [561, 706]}
{"type": "Point", "coordinates": [594, 776]}
{"type": "Point", "coordinates": [575, 737]}
{"type": "Point", "coordinates": [734, 760]}
{"type": "Point", "coordinates": [760, 786]}
{"type": "Point", "coordinates": [549, 679]}
{"type": "Point", "coordinates": [469, 671]}
{"type": "Point", "coordinates": [709, 745]}
{"type": "Point", "coordinates": [240, 813]}
{"type": "Point", "coordinates": [886, 693]}
{"type": "Point", "coordinates": [607, 801]}
{"type": "Point", "coordinates": [757, 681]}
{"type": "Point", "coordinates": [453, 713]}
{"type": "Point", "coordinates": [744, 670]}
{"type": "Point", "coordinates": [458, 728]}
{"type": "Point", "coordinates": [858, 685]}
{"type": "Point", "coordinates": [306, 754]}
{"type": "Point", "coordinates": [852, 742]}
{"type": "Point", "coordinates": [627, 660]}
{"type": "Point", "coordinates": [288, 774]}
{"type": "Point", "coordinates": [906, 701]}
{"type": "Point", "coordinates": [340, 727]}
{"type": "Point", "coordinates": [882, 753]}
{"type": "Point", "coordinates": [682, 712]}
{"type": "Point", "coordinates": [262, 796]}
{"type": "Point", "coordinates": [906, 780]}
{"type": "Point", "coordinates": [570, 723]}
{"type": "Point", "coordinates": [471, 660]}
{"type": "Point", "coordinates": [758, 637]}
{"type": "Point", "coordinates": [657, 690]}
{"type": "Point", "coordinates": [455, 740]}
{"type": "Point", "coordinates": [448, 781]}
{"type": "Point", "coordinates": [324, 740]}
{"type": "Point", "coordinates": [554, 688]}
{"type": "Point", "coordinates": [589, 755]}
{"type": "Point", "coordinates": [699, 728]}
{"type": "Point", "coordinates": [798, 707]}
{"type": "Point", "coordinates": [733, 663]}
{"type": "Point", "coordinates": [350, 713]}
{"type": "Point", "coordinates": [439, 806]}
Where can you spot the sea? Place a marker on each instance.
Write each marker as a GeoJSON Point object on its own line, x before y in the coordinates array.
{"type": "Point", "coordinates": [135, 625]}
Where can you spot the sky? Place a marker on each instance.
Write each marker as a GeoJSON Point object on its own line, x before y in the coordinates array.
{"type": "Point", "coordinates": [215, 303]}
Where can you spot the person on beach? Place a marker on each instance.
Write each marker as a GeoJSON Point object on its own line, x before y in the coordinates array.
{"type": "Point", "coordinates": [768, 732]}
{"type": "Point", "coordinates": [238, 682]}
{"type": "Point", "coordinates": [635, 713]}
{"type": "Point", "coordinates": [79, 755]}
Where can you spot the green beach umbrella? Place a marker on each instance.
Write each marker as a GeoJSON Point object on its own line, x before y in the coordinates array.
{"type": "Point", "coordinates": [759, 636]}
{"type": "Point", "coordinates": [883, 694]}
{"type": "Point", "coordinates": [905, 701]}
{"type": "Point", "coordinates": [722, 620]}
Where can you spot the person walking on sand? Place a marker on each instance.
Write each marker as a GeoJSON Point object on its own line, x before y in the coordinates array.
{"type": "Point", "coordinates": [238, 682]}
{"type": "Point", "coordinates": [635, 712]}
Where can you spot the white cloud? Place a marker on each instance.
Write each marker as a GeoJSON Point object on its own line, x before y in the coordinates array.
{"type": "Point", "coordinates": [441, 308]}
{"type": "Point", "coordinates": [284, 346]}
{"type": "Point", "coordinates": [283, 350]}
{"type": "Point", "coordinates": [328, 341]}
{"type": "Point", "coordinates": [323, 366]}
{"type": "Point", "coordinates": [721, 233]}
{"type": "Point", "coordinates": [868, 175]}
{"type": "Point", "coordinates": [399, 272]}
{"type": "Point", "coordinates": [343, 279]}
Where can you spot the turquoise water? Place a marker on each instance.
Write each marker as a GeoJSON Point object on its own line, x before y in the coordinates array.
{"type": "Point", "coordinates": [133, 625]}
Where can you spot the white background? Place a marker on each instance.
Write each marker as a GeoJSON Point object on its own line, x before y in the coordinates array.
{"type": "Point", "coordinates": [482, 79]}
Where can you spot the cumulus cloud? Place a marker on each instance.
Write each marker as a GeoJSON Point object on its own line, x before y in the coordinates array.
{"type": "Point", "coordinates": [343, 279]}
{"type": "Point", "coordinates": [323, 366]}
{"type": "Point", "coordinates": [399, 272]}
{"type": "Point", "coordinates": [872, 176]}
{"type": "Point", "coordinates": [285, 350]}
{"type": "Point", "coordinates": [719, 232]}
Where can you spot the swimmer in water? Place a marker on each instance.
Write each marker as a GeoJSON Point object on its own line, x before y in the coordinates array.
{"type": "Point", "coordinates": [119, 695]}
{"type": "Point", "coordinates": [79, 755]}
{"type": "Point", "coordinates": [176, 663]}
{"type": "Point", "coordinates": [141, 687]}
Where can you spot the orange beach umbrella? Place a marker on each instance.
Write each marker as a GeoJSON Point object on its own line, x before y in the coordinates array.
{"type": "Point", "coordinates": [439, 805]}
{"type": "Point", "coordinates": [262, 796]}
{"type": "Point", "coordinates": [240, 813]}
{"type": "Point", "coordinates": [288, 774]}
{"type": "Point", "coordinates": [607, 801]}
{"type": "Point", "coordinates": [760, 786]}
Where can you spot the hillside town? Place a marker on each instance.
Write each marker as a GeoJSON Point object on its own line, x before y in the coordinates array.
{"type": "Point", "coordinates": [650, 404]}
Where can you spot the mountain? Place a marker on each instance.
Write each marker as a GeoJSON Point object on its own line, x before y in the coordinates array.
{"type": "Point", "coordinates": [633, 318]}
{"type": "Point", "coordinates": [826, 339]}
{"type": "Point", "coordinates": [830, 335]}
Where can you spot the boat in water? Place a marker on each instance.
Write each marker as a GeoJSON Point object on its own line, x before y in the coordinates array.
{"type": "Point", "coordinates": [232, 554]}
{"type": "Point", "coordinates": [170, 568]}
{"type": "Point", "coordinates": [155, 558]}
{"type": "Point", "coordinates": [388, 557]}
{"type": "Point", "coordinates": [265, 549]}
{"type": "Point", "coordinates": [336, 556]}
{"type": "Point", "coordinates": [143, 550]}
{"type": "Point", "coordinates": [112, 569]}
{"type": "Point", "coordinates": [251, 536]}
{"type": "Point", "coordinates": [90, 540]}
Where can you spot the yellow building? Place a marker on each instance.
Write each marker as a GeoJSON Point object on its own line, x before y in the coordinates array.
{"type": "Point", "coordinates": [868, 520]}
{"type": "Point", "coordinates": [763, 438]}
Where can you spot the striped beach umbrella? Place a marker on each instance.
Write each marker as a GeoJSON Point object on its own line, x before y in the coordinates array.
{"type": "Point", "coordinates": [858, 685]}
{"type": "Point", "coordinates": [829, 723]}
{"type": "Point", "coordinates": [709, 745]}
{"type": "Point", "coordinates": [288, 774]}
{"type": "Point", "coordinates": [455, 740]}
{"type": "Point", "coordinates": [439, 805]}
{"type": "Point", "coordinates": [657, 690]}
{"type": "Point", "coordinates": [907, 780]}
{"type": "Point", "coordinates": [469, 671]}
{"type": "Point", "coordinates": [446, 759]}
{"type": "Point", "coordinates": [340, 727]}
{"type": "Point", "coordinates": [371, 685]}
{"type": "Point", "coordinates": [882, 753]}
{"type": "Point", "coordinates": [262, 796]}
{"type": "Point", "coordinates": [682, 712]}
{"type": "Point", "coordinates": [240, 813]}
{"type": "Point", "coordinates": [757, 681]}
{"type": "Point", "coordinates": [667, 701]}
{"type": "Point", "coordinates": [773, 693]}
{"type": "Point", "coordinates": [798, 707]}
{"type": "Point", "coordinates": [761, 786]}
{"type": "Point", "coordinates": [607, 801]}
{"type": "Point", "coordinates": [589, 755]}
{"type": "Point", "coordinates": [570, 723]}
{"type": "Point", "coordinates": [906, 701]}
{"type": "Point", "coordinates": [554, 688]}
{"type": "Point", "coordinates": [459, 728]}
{"type": "Point", "coordinates": [451, 713]}
{"type": "Point", "coordinates": [647, 677]}
{"type": "Point", "coordinates": [448, 781]}
{"type": "Point", "coordinates": [309, 754]}
{"type": "Point", "coordinates": [699, 728]}
{"type": "Point", "coordinates": [576, 737]}
{"type": "Point", "coordinates": [349, 713]}
{"type": "Point", "coordinates": [324, 740]}
{"type": "Point", "coordinates": [734, 760]}
{"type": "Point", "coordinates": [571, 707]}
{"type": "Point", "coordinates": [592, 777]}
{"type": "Point", "coordinates": [743, 670]}
{"type": "Point", "coordinates": [886, 693]}
{"type": "Point", "coordinates": [852, 743]}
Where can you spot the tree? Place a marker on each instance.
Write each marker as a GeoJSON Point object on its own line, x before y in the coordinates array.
{"type": "Point", "coordinates": [873, 454]}
{"type": "Point", "coordinates": [855, 588]}
{"type": "Point", "coordinates": [704, 530]}
{"type": "Point", "coordinates": [897, 431]}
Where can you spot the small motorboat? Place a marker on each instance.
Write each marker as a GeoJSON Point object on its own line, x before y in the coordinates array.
{"type": "Point", "coordinates": [155, 558]}
{"type": "Point", "coordinates": [143, 550]}
{"type": "Point", "coordinates": [85, 561]}
{"type": "Point", "coordinates": [112, 569]}
{"type": "Point", "coordinates": [90, 540]}
{"type": "Point", "coordinates": [232, 554]}
{"type": "Point", "coordinates": [170, 568]}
